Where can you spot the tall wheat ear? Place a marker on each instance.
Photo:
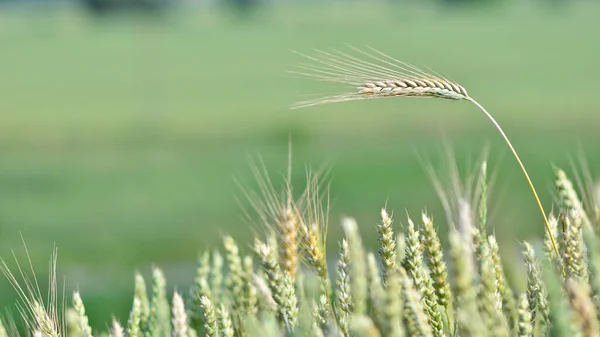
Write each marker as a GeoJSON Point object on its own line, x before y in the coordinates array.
{"type": "Point", "coordinates": [46, 317]}
{"type": "Point", "coordinates": [377, 75]}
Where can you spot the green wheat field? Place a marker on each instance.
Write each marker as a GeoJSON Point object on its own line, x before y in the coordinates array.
{"type": "Point", "coordinates": [122, 139]}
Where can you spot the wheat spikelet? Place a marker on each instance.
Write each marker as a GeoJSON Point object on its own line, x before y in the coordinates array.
{"type": "Point", "coordinates": [525, 328]}
{"type": "Point", "coordinates": [574, 255]}
{"type": "Point", "coordinates": [280, 285]}
{"type": "Point", "coordinates": [48, 318]}
{"type": "Point", "coordinates": [210, 317]}
{"type": "Point", "coordinates": [387, 251]}
{"type": "Point", "coordinates": [84, 326]}
{"type": "Point", "coordinates": [235, 280]}
{"type": "Point", "coordinates": [358, 267]}
{"type": "Point", "coordinates": [116, 329]}
{"type": "Point", "coordinates": [322, 316]}
{"type": "Point", "coordinates": [345, 305]}
{"type": "Point", "coordinates": [225, 322]}
{"type": "Point", "coordinates": [133, 324]}
{"type": "Point", "coordinates": [179, 319]}
{"type": "Point", "coordinates": [381, 76]}
{"type": "Point", "coordinates": [377, 75]}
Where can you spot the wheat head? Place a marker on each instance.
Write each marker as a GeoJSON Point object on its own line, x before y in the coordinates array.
{"type": "Point", "coordinates": [375, 75]}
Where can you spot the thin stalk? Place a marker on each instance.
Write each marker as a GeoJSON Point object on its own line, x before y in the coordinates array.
{"type": "Point", "coordinates": [514, 152]}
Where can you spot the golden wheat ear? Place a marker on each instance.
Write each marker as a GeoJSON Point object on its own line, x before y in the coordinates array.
{"type": "Point", "coordinates": [374, 74]}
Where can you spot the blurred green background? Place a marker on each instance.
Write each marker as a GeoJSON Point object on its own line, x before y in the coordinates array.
{"type": "Point", "coordinates": [124, 126]}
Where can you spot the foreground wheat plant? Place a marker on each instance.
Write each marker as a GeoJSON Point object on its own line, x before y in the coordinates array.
{"type": "Point", "coordinates": [407, 285]}
{"type": "Point", "coordinates": [377, 75]}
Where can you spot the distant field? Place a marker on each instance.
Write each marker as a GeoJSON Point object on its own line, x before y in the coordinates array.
{"type": "Point", "coordinates": [120, 139]}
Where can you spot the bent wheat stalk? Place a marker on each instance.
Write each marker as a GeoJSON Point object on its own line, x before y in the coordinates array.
{"type": "Point", "coordinates": [377, 75]}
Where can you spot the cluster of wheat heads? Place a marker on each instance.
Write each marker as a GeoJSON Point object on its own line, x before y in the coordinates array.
{"type": "Point", "coordinates": [286, 284]}
{"type": "Point", "coordinates": [374, 74]}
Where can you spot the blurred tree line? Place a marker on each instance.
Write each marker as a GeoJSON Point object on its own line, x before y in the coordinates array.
{"type": "Point", "coordinates": [114, 6]}
{"type": "Point", "coordinates": [241, 7]}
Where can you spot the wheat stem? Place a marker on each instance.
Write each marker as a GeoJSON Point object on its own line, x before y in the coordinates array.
{"type": "Point", "coordinates": [514, 152]}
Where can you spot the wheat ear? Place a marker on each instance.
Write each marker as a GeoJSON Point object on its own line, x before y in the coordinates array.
{"type": "Point", "coordinates": [377, 75]}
